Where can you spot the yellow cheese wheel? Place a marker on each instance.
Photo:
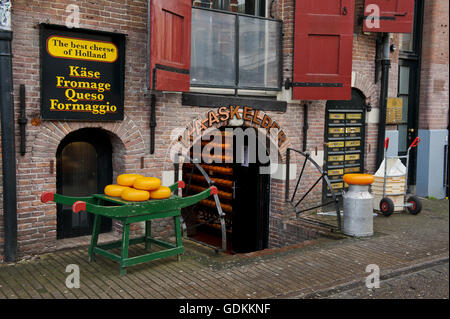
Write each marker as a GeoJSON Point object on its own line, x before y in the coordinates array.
{"type": "Point", "coordinates": [127, 179]}
{"type": "Point", "coordinates": [114, 190]}
{"type": "Point", "coordinates": [161, 193]}
{"type": "Point", "coordinates": [147, 183]}
{"type": "Point", "coordinates": [135, 195]}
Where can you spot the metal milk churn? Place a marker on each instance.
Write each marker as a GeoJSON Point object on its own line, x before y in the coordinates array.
{"type": "Point", "coordinates": [358, 205]}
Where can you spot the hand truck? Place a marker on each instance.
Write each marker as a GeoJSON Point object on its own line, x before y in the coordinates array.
{"type": "Point", "coordinates": [413, 204]}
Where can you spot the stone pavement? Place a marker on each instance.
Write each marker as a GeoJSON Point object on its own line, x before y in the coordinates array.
{"type": "Point", "coordinates": [401, 242]}
{"type": "Point", "coordinates": [429, 283]}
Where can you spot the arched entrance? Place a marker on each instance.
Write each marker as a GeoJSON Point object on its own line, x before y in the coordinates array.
{"type": "Point", "coordinates": [244, 194]}
{"type": "Point", "coordinates": [84, 167]}
{"type": "Point", "coordinates": [344, 140]}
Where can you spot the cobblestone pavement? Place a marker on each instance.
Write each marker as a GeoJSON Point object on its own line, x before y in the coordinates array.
{"type": "Point", "coordinates": [401, 241]}
{"type": "Point", "coordinates": [430, 283]}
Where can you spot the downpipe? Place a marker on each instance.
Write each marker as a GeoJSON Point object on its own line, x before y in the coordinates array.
{"type": "Point", "coordinates": [385, 66]}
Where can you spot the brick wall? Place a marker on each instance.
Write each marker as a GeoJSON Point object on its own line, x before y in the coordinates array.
{"type": "Point", "coordinates": [130, 137]}
{"type": "Point", "coordinates": [433, 107]}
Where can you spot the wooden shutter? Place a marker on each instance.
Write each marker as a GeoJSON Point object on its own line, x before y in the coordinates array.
{"type": "Point", "coordinates": [395, 16]}
{"type": "Point", "coordinates": [170, 45]}
{"type": "Point", "coordinates": [323, 45]}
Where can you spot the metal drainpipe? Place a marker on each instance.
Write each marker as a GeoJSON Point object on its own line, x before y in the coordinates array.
{"type": "Point", "coordinates": [152, 123]}
{"type": "Point", "coordinates": [305, 126]}
{"type": "Point", "coordinates": [385, 65]}
{"type": "Point", "coordinates": [8, 148]}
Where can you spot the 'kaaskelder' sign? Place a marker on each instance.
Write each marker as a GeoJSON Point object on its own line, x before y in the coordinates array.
{"type": "Point", "coordinates": [82, 74]}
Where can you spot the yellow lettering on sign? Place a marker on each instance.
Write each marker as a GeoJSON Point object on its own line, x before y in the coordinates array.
{"type": "Point", "coordinates": [335, 144]}
{"type": "Point", "coordinates": [336, 130]}
{"type": "Point", "coordinates": [82, 49]}
{"type": "Point", "coordinates": [337, 185]}
{"type": "Point", "coordinates": [337, 116]}
{"type": "Point", "coordinates": [353, 130]}
{"type": "Point", "coordinates": [351, 157]}
{"type": "Point", "coordinates": [352, 143]}
{"type": "Point", "coordinates": [335, 172]}
{"type": "Point", "coordinates": [336, 158]}
{"type": "Point", "coordinates": [354, 116]}
{"type": "Point", "coordinates": [352, 170]}
{"type": "Point", "coordinates": [394, 102]}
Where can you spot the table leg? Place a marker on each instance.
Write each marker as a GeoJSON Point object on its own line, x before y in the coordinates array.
{"type": "Point", "coordinates": [178, 238]}
{"type": "Point", "coordinates": [125, 242]}
{"type": "Point", "coordinates": [94, 238]}
{"type": "Point", "coordinates": [148, 234]}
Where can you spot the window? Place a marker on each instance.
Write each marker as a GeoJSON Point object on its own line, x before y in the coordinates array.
{"type": "Point", "coordinates": [407, 42]}
{"type": "Point", "coordinates": [252, 7]}
{"type": "Point", "coordinates": [234, 46]}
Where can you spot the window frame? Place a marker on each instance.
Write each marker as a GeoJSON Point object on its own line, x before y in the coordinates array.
{"type": "Point", "coordinates": [416, 34]}
{"type": "Point", "coordinates": [237, 87]}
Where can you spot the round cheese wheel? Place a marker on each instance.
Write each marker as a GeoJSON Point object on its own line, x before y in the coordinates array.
{"type": "Point", "coordinates": [135, 195]}
{"type": "Point", "coordinates": [147, 183]}
{"type": "Point", "coordinates": [127, 179]}
{"type": "Point", "coordinates": [359, 179]}
{"type": "Point", "coordinates": [114, 190]}
{"type": "Point", "coordinates": [161, 193]}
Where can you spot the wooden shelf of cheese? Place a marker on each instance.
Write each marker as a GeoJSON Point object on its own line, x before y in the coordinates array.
{"type": "Point", "coordinates": [220, 173]}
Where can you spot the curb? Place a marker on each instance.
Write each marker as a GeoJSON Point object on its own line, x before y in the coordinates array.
{"type": "Point", "coordinates": [359, 283]}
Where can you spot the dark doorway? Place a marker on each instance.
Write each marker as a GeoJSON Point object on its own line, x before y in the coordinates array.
{"type": "Point", "coordinates": [251, 189]}
{"type": "Point", "coordinates": [244, 194]}
{"type": "Point", "coordinates": [409, 87]}
{"type": "Point", "coordinates": [407, 129]}
{"type": "Point", "coordinates": [344, 141]}
{"type": "Point", "coordinates": [84, 167]}
{"type": "Point", "coordinates": [250, 209]}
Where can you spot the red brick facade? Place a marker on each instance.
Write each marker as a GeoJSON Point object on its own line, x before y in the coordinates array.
{"type": "Point", "coordinates": [131, 137]}
{"type": "Point", "coordinates": [433, 113]}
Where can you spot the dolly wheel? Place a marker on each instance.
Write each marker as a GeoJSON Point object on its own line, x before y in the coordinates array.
{"type": "Point", "coordinates": [386, 206]}
{"type": "Point", "coordinates": [416, 205]}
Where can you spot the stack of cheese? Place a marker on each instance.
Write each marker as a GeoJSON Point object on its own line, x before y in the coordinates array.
{"type": "Point", "coordinates": [137, 188]}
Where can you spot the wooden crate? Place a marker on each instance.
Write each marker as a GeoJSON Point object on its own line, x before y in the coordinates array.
{"type": "Point", "coordinates": [394, 185]}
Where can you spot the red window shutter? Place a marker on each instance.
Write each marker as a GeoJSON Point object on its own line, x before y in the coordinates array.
{"type": "Point", "coordinates": [323, 45]}
{"type": "Point", "coordinates": [170, 45]}
{"type": "Point", "coordinates": [395, 16]}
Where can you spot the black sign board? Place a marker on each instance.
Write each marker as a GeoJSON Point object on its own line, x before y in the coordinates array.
{"type": "Point", "coordinates": [82, 74]}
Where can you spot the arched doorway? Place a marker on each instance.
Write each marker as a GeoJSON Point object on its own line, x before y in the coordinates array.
{"type": "Point", "coordinates": [83, 167]}
{"type": "Point", "coordinates": [244, 194]}
{"type": "Point", "coordinates": [344, 140]}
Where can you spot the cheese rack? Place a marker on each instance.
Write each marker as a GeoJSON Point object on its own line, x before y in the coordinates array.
{"type": "Point", "coordinates": [204, 213]}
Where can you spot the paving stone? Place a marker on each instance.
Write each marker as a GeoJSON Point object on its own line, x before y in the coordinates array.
{"type": "Point", "coordinates": [294, 272]}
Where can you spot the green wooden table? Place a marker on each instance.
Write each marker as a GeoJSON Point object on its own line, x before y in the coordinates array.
{"type": "Point", "coordinates": [132, 212]}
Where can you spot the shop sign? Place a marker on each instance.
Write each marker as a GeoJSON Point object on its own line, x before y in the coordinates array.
{"type": "Point", "coordinates": [82, 74]}
{"type": "Point", "coordinates": [254, 118]}
{"type": "Point", "coordinates": [394, 112]}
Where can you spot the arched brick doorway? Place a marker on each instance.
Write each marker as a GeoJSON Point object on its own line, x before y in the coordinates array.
{"type": "Point", "coordinates": [83, 167]}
